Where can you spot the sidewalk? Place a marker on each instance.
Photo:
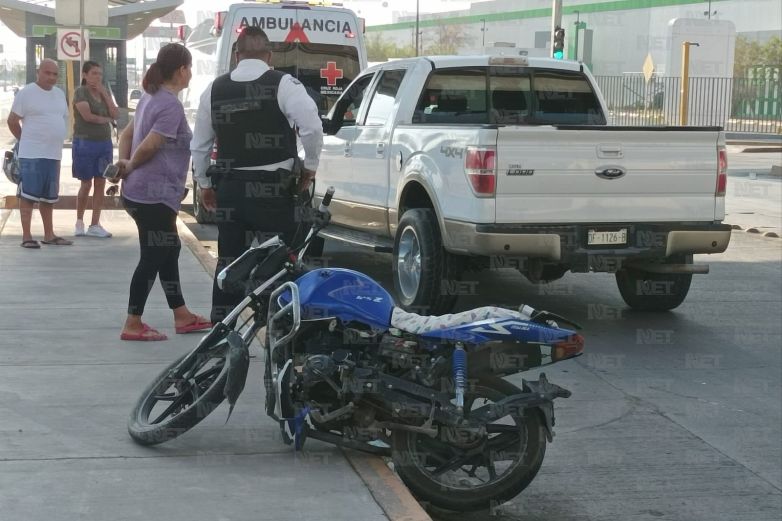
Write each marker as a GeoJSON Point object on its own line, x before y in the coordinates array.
{"type": "Point", "coordinates": [68, 383]}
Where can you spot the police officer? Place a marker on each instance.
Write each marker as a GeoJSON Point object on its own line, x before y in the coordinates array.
{"type": "Point", "coordinates": [253, 114]}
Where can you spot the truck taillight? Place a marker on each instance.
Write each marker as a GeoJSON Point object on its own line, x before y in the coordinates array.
{"type": "Point", "coordinates": [722, 170]}
{"type": "Point", "coordinates": [217, 28]}
{"type": "Point", "coordinates": [480, 167]}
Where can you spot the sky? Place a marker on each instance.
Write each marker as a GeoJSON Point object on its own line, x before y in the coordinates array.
{"type": "Point", "coordinates": [375, 12]}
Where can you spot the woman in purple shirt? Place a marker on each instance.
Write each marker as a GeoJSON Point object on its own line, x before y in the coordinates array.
{"type": "Point", "coordinates": [154, 152]}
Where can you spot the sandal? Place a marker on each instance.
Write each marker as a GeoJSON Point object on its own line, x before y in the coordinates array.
{"type": "Point", "coordinates": [199, 324]}
{"type": "Point", "coordinates": [31, 245]}
{"type": "Point", "coordinates": [147, 335]}
{"type": "Point", "coordinates": [58, 241]}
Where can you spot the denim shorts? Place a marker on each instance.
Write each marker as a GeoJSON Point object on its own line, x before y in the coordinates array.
{"type": "Point", "coordinates": [40, 180]}
{"type": "Point", "coordinates": [90, 158]}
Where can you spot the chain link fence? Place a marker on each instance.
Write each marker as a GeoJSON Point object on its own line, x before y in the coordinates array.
{"type": "Point", "coordinates": [752, 105]}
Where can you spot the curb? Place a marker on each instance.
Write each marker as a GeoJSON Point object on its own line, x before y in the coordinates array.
{"type": "Point", "coordinates": [386, 488]}
{"type": "Point", "coordinates": [755, 231]}
{"type": "Point", "coordinates": [65, 202]}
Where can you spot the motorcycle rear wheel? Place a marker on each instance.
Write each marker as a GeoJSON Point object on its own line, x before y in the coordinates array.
{"type": "Point", "coordinates": [190, 400]}
{"type": "Point", "coordinates": [414, 456]}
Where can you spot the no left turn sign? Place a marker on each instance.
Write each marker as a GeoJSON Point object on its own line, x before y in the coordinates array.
{"type": "Point", "coordinates": [70, 45]}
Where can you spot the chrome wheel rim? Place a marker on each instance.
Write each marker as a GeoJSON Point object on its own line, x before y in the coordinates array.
{"type": "Point", "coordinates": [408, 263]}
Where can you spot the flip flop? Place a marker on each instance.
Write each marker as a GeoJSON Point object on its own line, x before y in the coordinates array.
{"type": "Point", "coordinates": [199, 324]}
{"type": "Point", "coordinates": [58, 241]}
{"type": "Point", "coordinates": [147, 335]}
{"type": "Point", "coordinates": [30, 245]}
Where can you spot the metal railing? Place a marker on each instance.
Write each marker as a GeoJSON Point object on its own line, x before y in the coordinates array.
{"type": "Point", "coordinates": [752, 105]}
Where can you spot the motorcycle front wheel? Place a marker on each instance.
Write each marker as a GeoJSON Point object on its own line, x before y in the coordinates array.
{"type": "Point", "coordinates": [470, 475]}
{"type": "Point", "coordinates": [183, 394]}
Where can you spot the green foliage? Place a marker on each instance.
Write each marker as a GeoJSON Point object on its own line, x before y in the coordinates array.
{"type": "Point", "coordinates": [379, 49]}
{"type": "Point", "coordinates": [750, 54]}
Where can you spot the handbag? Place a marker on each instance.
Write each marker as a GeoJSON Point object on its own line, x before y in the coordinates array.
{"type": "Point", "coordinates": [11, 164]}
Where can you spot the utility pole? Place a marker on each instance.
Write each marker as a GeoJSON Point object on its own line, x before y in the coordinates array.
{"type": "Point", "coordinates": [483, 33]}
{"type": "Point", "coordinates": [416, 26]}
{"type": "Point", "coordinates": [556, 21]}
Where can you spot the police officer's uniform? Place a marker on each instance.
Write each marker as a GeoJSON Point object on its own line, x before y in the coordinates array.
{"type": "Point", "coordinates": [251, 112]}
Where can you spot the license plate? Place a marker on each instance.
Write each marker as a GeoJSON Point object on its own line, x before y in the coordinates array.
{"type": "Point", "coordinates": [601, 237]}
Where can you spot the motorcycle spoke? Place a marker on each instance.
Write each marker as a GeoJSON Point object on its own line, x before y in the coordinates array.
{"type": "Point", "coordinates": [504, 441]}
{"type": "Point", "coordinates": [171, 408]}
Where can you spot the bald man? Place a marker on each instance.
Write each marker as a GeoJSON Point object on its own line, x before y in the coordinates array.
{"type": "Point", "coordinates": [39, 121]}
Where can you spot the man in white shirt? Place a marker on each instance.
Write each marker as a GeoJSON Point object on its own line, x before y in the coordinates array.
{"type": "Point", "coordinates": [254, 115]}
{"type": "Point", "coordinates": [39, 120]}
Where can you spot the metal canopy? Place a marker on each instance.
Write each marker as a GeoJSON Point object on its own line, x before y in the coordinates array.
{"type": "Point", "coordinates": [135, 15]}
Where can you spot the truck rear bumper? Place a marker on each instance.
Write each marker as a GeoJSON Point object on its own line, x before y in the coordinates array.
{"type": "Point", "coordinates": [563, 243]}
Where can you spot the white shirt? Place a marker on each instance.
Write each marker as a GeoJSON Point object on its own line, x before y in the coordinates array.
{"type": "Point", "coordinates": [44, 116]}
{"type": "Point", "coordinates": [294, 103]}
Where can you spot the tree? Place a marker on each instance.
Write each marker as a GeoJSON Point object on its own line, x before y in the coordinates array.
{"type": "Point", "coordinates": [750, 54]}
{"type": "Point", "coordinates": [379, 49]}
{"type": "Point", "coordinates": [448, 39]}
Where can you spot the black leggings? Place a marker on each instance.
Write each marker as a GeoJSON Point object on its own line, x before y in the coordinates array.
{"type": "Point", "coordinates": [160, 246]}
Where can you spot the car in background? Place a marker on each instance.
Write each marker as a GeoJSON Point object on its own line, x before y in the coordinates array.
{"type": "Point", "coordinates": [133, 98]}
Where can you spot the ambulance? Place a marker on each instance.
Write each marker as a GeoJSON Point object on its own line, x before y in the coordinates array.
{"type": "Point", "coordinates": [319, 43]}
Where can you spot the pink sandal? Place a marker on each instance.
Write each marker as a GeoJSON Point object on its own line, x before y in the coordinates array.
{"type": "Point", "coordinates": [199, 324]}
{"type": "Point", "coordinates": [147, 335]}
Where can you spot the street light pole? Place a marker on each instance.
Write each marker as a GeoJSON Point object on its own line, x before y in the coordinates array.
{"type": "Point", "coordinates": [483, 33]}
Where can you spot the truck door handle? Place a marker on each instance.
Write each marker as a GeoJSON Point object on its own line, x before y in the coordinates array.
{"type": "Point", "coordinates": [381, 149]}
{"type": "Point", "coordinates": [609, 151]}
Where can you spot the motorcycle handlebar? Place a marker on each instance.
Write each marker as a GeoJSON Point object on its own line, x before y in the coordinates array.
{"type": "Point", "coordinates": [324, 204]}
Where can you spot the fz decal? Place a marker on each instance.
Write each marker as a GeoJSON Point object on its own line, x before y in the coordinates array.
{"type": "Point", "coordinates": [371, 299]}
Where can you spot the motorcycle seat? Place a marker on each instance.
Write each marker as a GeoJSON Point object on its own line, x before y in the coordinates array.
{"type": "Point", "coordinates": [422, 324]}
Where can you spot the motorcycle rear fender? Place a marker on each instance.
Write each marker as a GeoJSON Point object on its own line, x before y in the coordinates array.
{"type": "Point", "coordinates": [540, 397]}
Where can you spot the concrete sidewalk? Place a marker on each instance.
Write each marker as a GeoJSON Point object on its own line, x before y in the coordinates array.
{"type": "Point", "coordinates": [68, 383]}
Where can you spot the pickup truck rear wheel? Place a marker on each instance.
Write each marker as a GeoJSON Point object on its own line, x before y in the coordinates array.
{"type": "Point", "coordinates": [423, 270]}
{"type": "Point", "coordinates": [653, 291]}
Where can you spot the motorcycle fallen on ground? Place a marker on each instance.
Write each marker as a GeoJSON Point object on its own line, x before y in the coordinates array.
{"type": "Point", "coordinates": [344, 365]}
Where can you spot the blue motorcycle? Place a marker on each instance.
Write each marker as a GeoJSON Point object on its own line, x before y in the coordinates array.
{"type": "Point", "coordinates": [346, 366]}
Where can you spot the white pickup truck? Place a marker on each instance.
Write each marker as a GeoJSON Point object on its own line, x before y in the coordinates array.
{"type": "Point", "coordinates": [471, 162]}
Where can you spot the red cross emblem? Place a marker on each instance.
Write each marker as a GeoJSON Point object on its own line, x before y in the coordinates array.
{"type": "Point", "coordinates": [297, 34]}
{"type": "Point", "coordinates": [331, 74]}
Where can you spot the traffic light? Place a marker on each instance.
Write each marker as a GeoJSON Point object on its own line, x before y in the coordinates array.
{"type": "Point", "coordinates": [558, 46]}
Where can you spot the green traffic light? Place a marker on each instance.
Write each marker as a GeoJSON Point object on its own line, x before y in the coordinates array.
{"type": "Point", "coordinates": [559, 55]}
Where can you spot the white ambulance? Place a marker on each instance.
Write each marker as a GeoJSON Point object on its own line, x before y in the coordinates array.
{"type": "Point", "coordinates": [319, 43]}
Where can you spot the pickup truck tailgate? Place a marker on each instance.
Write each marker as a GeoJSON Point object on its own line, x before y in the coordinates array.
{"type": "Point", "coordinates": [605, 174]}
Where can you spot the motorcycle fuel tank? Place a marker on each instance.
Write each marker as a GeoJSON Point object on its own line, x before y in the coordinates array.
{"type": "Point", "coordinates": [344, 294]}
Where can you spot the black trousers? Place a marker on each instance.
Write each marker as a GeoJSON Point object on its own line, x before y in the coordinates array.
{"type": "Point", "coordinates": [160, 247]}
{"type": "Point", "coordinates": [254, 205]}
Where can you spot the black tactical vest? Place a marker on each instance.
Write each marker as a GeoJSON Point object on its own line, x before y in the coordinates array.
{"type": "Point", "coordinates": [251, 129]}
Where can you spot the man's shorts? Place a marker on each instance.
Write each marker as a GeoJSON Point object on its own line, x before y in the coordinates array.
{"type": "Point", "coordinates": [40, 180]}
{"type": "Point", "coordinates": [90, 158]}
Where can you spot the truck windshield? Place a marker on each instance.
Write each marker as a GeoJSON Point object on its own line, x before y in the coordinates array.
{"type": "Point", "coordinates": [510, 96]}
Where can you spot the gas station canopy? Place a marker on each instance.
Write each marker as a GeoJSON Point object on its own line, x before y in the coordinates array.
{"type": "Point", "coordinates": [127, 18]}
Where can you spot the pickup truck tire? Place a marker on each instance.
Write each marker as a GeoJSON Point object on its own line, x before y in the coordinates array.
{"type": "Point", "coordinates": [653, 291]}
{"type": "Point", "coordinates": [201, 214]}
{"type": "Point", "coordinates": [422, 268]}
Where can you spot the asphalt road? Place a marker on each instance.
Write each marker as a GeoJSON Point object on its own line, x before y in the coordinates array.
{"type": "Point", "coordinates": [674, 415]}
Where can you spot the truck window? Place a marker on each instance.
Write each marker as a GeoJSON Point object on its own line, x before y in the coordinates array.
{"type": "Point", "coordinates": [453, 96]}
{"type": "Point", "coordinates": [383, 97]}
{"type": "Point", "coordinates": [346, 111]}
{"type": "Point", "coordinates": [565, 98]}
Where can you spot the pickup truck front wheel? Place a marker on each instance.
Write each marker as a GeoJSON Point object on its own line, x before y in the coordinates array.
{"type": "Point", "coordinates": [646, 291]}
{"type": "Point", "coordinates": [424, 272]}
